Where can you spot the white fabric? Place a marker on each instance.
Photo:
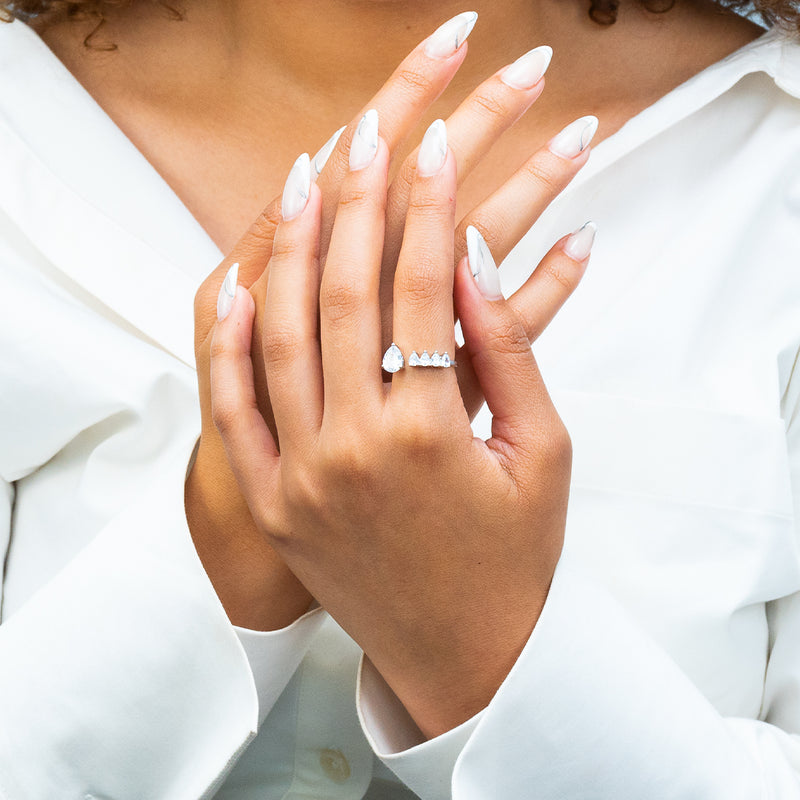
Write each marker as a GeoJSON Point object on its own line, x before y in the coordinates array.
{"type": "Point", "coordinates": [667, 660]}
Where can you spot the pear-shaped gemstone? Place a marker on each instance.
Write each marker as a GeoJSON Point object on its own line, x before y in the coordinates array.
{"type": "Point", "coordinates": [413, 359]}
{"type": "Point", "coordinates": [393, 359]}
{"type": "Point", "coordinates": [446, 360]}
{"type": "Point", "coordinates": [436, 359]}
{"type": "Point", "coordinates": [424, 359]}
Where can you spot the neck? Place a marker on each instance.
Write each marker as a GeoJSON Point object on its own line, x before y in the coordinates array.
{"type": "Point", "coordinates": [319, 51]}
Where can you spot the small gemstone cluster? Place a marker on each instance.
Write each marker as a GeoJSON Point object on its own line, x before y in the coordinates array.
{"type": "Point", "coordinates": [393, 360]}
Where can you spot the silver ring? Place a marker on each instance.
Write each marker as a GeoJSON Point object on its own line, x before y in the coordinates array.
{"type": "Point", "coordinates": [394, 361]}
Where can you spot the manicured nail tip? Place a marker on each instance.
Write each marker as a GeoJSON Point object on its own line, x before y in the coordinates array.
{"type": "Point", "coordinates": [321, 158]}
{"type": "Point", "coordinates": [227, 292]}
{"type": "Point", "coordinates": [433, 151]}
{"type": "Point", "coordinates": [297, 188]}
{"type": "Point", "coordinates": [365, 142]}
{"type": "Point", "coordinates": [575, 138]}
{"type": "Point", "coordinates": [482, 265]}
{"type": "Point", "coordinates": [579, 245]}
{"type": "Point", "coordinates": [448, 38]}
{"type": "Point", "coordinates": [528, 69]}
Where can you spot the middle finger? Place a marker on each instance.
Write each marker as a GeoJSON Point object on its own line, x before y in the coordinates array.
{"type": "Point", "coordinates": [423, 285]}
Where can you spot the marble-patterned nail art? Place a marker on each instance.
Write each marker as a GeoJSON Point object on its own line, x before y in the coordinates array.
{"type": "Point", "coordinates": [448, 38]}
{"type": "Point", "coordinates": [482, 266]}
{"type": "Point", "coordinates": [321, 158]}
{"type": "Point", "coordinates": [432, 152]}
{"type": "Point", "coordinates": [528, 69]}
{"type": "Point", "coordinates": [365, 142]}
{"type": "Point", "coordinates": [227, 292]}
{"type": "Point", "coordinates": [297, 188]}
{"type": "Point", "coordinates": [575, 138]}
{"type": "Point", "coordinates": [579, 245]}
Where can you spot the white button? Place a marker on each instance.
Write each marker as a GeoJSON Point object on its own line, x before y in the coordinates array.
{"type": "Point", "coordinates": [334, 764]}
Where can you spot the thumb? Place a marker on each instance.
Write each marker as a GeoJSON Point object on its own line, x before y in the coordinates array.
{"type": "Point", "coordinates": [251, 450]}
{"type": "Point", "coordinates": [500, 352]}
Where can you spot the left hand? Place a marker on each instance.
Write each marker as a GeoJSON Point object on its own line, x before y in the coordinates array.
{"type": "Point", "coordinates": [433, 549]}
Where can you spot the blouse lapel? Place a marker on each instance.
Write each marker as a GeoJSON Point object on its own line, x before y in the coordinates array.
{"type": "Point", "coordinates": [91, 203]}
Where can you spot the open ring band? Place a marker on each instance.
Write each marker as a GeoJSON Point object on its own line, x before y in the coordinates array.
{"type": "Point", "coordinates": [393, 360]}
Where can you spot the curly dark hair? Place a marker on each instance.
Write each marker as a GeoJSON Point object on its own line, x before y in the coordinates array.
{"type": "Point", "coordinates": [785, 13]}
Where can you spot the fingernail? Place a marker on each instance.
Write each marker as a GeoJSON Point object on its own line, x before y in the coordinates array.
{"type": "Point", "coordinates": [321, 158]}
{"type": "Point", "coordinates": [297, 188]}
{"type": "Point", "coordinates": [227, 292]}
{"type": "Point", "coordinates": [433, 151]}
{"type": "Point", "coordinates": [579, 244]}
{"type": "Point", "coordinates": [528, 69]}
{"type": "Point", "coordinates": [575, 138]}
{"type": "Point", "coordinates": [482, 266]}
{"type": "Point", "coordinates": [365, 142]}
{"type": "Point", "coordinates": [447, 38]}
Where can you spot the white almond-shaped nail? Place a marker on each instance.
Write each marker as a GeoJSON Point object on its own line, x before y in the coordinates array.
{"type": "Point", "coordinates": [321, 158]}
{"type": "Point", "coordinates": [528, 69]}
{"type": "Point", "coordinates": [575, 138]}
{"type": "Point", "coordinates": [482, 266]}
{"type": "Point", "coordinates": [297, 188]}
{"type": "Point", "coordinates": [432, 152]}
{"type": "Point", "coordinates": [365, 141]}
{"type": "Point", "coordinates": [448, 38]}
{"type": "Point", "coordinates": [227, 292]}
{"type": "Point", "coordinates": [579, 245]}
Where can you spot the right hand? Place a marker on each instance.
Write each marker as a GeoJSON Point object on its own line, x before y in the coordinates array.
{"type": "Point", "coordinates": [254, 585]}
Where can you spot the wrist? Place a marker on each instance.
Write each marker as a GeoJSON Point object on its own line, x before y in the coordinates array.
{"type": "Point", "coordinates": [254, 585]}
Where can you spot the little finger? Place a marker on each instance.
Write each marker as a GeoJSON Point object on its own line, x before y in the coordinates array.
{"type": "Point", "coordinates": [538, 300]}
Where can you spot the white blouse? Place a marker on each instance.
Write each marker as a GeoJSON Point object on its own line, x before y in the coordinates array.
{"type": "Point", "coordinates": [666, 663]}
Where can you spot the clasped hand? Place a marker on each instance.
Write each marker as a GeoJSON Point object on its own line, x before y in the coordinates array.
{"type": "Point", "coordinates": [433, 549]}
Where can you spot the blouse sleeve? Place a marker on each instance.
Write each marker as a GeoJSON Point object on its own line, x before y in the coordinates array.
{"type": "Point", "coordinates": [121, 676]}
{"type": "Point", "coordinates": [595, 707]}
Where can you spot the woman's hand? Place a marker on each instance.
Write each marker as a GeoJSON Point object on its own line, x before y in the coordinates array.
{"type": "Point", "coordinates": [254, 586]}
{"type": "Point", "coordinates": [433, 549]}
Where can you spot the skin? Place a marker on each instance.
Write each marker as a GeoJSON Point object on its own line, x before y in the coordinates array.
{"type": "Point", "coordinates": [387, 482]}
{"type": "Point", "coordinates": [269, 80]}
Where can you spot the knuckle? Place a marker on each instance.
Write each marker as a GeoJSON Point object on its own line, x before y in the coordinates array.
{"type": "Point", "coordinates": [412, 81]}
{"type": "Point", "coordinates": [421, 436]}
{"type": "Point", "coordinates": [353, 197]}
{"type": "Point", "coordinates": [489, 105]}
{"type": "Point", "coordinates": [301, 489]}
{"type": "Point", "coordinates": [205, 298]}
{"type": "Point", "coordinates": [348, 461]}
{"type": "Point", "coordinates": [556, 272]}
{"type": "Point", "coordinates": [285, 248]}
{"type": "Point", "coordinates": [223, 413]}
{"type": "Point", "coordinates": [491, 226]}
{"type": "Point", "coordinates": [421, 284]}
{"type": "Point", "coordinates": [543, 175]}
{"type": "Point", "coordinates": [511, 339]}
{"type": "Point", "coordinates": [341, 299]}
{"type": "Point", "coordinates": [266, 222]}
{"type": "Point", "coordinates": [279, 344]}
{"type": "Point", "coordinates": [428, 204]}
{"type": "Point", "coordinates": [558, 448]}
